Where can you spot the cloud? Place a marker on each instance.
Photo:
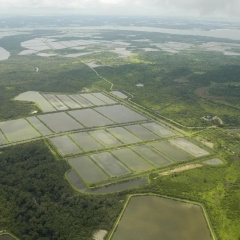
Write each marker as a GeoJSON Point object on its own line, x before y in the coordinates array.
{"type": "Point", "coordinates": [201, 7]}
{"type": "Point", "coordinates": [226, 8]}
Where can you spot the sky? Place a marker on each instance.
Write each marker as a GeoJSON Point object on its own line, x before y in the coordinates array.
{"type": "Point", "coordinates": [194, 8]}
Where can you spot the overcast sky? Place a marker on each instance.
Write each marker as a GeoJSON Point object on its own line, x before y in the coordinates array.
{"type": "Point", "coordinates": [195, 8]}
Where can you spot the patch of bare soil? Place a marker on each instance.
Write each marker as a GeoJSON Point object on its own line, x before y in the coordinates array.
{"type": "Point", "coordinates": [202, 92]}
{"type": "Point", "coordinates": [99, 235]}
{"type": "Point", "coordinates": [181, 80]}
{"type": "Point", "coordinates": [181, 169]}
{"type": "Point", "coordinates": [208, 144]}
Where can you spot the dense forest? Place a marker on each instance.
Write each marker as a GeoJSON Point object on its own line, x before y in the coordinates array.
{"type": "Point", "coordinates": [36, 202]}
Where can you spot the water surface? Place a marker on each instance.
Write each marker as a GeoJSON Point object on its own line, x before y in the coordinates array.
{"type": "Point", "coordinates": [155, 218]}
{"type": "Point", "coordinates": [4, 54]}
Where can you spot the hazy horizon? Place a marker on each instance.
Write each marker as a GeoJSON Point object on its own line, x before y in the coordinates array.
{"type": "Point", "coordinates": [216, 9]}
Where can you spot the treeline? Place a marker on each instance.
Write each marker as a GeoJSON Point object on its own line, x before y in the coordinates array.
{"type": "Point", "coordinates": [36, 202]}
{"type": "Point", "coordinates": [18, 74]}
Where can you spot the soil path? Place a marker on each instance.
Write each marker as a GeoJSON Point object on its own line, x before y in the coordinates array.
{"type": "Point", "coordinates": [181, 169]}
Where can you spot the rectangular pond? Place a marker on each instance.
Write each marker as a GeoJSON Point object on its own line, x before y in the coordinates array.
{"type": "Point", "coordinates": [141, 132]}
{"type": "Point", "coordinates": [171, 151]}
{"type": "Point", "coordinates": [156, 218]}
{"type": "Point", "coordinates": [87, 169]}
{"type": "Point", "coordinates": [158, 129]}
{"type": "Point", "coordinates": [132, 160]}
{"type": "Point", "coordinates": [123, 135]}
{"type": "Point", "coordinates": [80, 100]}
{"type": "Point", "coordinates": [120, 114]}
{"type": "Point", "coordinates": [90, 118]}
{"type": "Point", "coordinates": [189, 147]}
{"type": "Point", "coordinates": [39, 126]}
{"type": "Point", "coordinates": [119, 94]}
{"type": "Point", "coordinates": [65, 145]}
{"type": "Point", "coordinates": [55, 102]}
{"type": "Point", "coordinates": [104, 98]}
{"type": "Point", "coordinates": [60, 122]}
{"type": "Point", "coordinates": [105, 138]}
{"type": "Point", "coordinates": [94, 100]}
{"type": "Point", "coordinates": [68, 101]}
{"type": "Point", "coordinates": [18, 130]}
{"type": "Point", "coordinates": [85, 141]}
{"type": "Point", "coordinates": [110, 164]}
{"type": "Point", "coordinates": [3, 140]}
{"type": "Point", "coordinates": [37, 98]}
{"type": "Point", "coordinates": [152, 155]}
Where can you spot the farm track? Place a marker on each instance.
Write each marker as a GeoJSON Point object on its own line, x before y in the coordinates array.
{"type": "Point", "coordinates": [181, 169]}
{"type": "Point", "coordinates": [111, 87]}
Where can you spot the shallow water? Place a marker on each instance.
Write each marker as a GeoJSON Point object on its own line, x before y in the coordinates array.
{"type": "Point", "coordinates": [78, 183]}
{"type": "Point", "coordinates": [233, 34]}
{"type": "Point", "coordinates": [4, 54]}
{"type": "Point", "coordinates": [151, 217]}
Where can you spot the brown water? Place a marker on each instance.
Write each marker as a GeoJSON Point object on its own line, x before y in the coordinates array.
{"type": "Point", "coordinates": [156, 218]}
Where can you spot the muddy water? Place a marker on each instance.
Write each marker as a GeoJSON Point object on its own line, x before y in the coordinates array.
{"type": "Point", "coordinates": [155, 218]}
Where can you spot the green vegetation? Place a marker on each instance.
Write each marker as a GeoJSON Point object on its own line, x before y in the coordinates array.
{"type": "Point", "coordinates": [159, 72]}
{"type": "Point", "coordinates": [18, 75]}
{"type": "Point", "coordinates": [36, 202]}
